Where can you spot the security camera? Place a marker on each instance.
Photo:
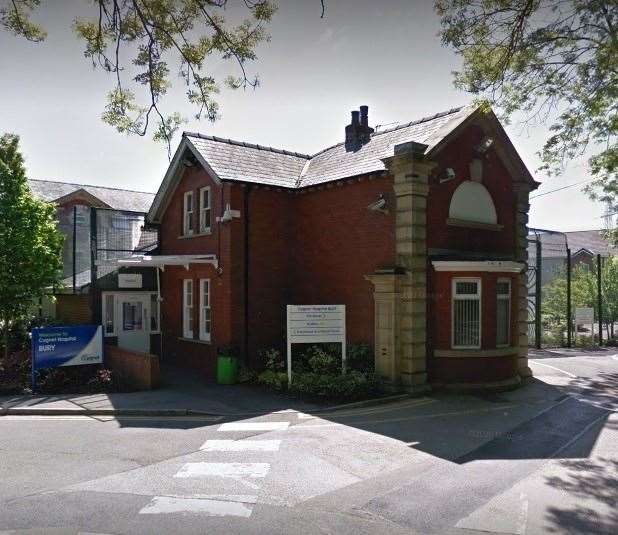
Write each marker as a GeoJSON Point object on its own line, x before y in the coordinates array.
{"type": "Point", "coordinates": [448, 174]}
{"type": "Point", "coordinates": [379, 205]}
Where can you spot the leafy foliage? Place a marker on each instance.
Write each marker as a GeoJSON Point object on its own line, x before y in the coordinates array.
{"type": "Point", "coordinates": [546, 58]}
{"type": "Point", "coordinates": [30, 243]}
{"type": "Point", "coordinates": [584, 293]}
{"type": "Point", "coordinates": [158, 35]}
{"type": "Point", "coordinates": [317, 372]}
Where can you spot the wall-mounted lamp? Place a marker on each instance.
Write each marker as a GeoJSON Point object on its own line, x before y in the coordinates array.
{"type": "Point", "coordinates": [484, 145]}
{"type": "Point", "coordinates": [379, 205]}
{"type": "Point", "coordinates": [447, 174]}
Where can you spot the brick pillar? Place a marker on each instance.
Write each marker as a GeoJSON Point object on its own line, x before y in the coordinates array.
{"type": "Point", "coordinates": [522, 192]}
{"type": "Point", "coordinates": [408, 369]}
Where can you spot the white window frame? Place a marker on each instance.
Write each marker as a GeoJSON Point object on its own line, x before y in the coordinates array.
{"type": "Point", "coordinates": [187, 308]}
{"type": "Point", "coordinates": [187, 215]}
{"type": "Point", "coordinates": [205, 208]}
{"type": "Point", "coordinates": [454, 297]}
{"type": "Point", "coordinates": [204, 307]}
{"type": "Point", "coordinates": [116, 298]}
{"type": "Point", "coordinates": [504, 297]}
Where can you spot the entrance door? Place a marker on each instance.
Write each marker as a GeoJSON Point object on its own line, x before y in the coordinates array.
{"type": "Point", "coordinates": [134, 328]}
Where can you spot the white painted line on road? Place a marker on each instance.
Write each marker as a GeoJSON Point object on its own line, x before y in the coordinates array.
{"type": "Point", "coordinates": [241, 445]}
{"type": "Point", "coordinates": [234, 470]}
{"type": "Point", "coordinates": [523, 514]}
{"type": "Point", "coordinates": [615, 357]}
{"type": "Point", "coordinates": [254, 426]}
{"type": "Point", "coordinates": [166, 505]}
{"type": "Point", "coordinates": [553, 368]}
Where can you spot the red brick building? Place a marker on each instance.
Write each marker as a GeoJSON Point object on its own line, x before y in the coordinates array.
{"type": "Point", "coordinates": [420, 230]}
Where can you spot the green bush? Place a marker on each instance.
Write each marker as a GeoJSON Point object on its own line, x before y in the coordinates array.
{"type": "Point", "coordinates": [89, 379]}
{"type": "Point", "coordinates": [272, 360]}
{"type": "Point", "coordinates": [352, 385]}
{"type": "Point", "coordinates": [272, 379]}
{"type": "Point", "coordinates": [317, 372]}
{"type": "Point", "coordinates": [360, 357]}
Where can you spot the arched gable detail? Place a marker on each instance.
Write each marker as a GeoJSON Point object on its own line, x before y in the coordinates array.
{"type": "Point", "coordinates": [472, 202]}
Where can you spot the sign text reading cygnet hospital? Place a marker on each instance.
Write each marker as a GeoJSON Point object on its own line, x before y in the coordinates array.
{"type": "Point", "coordinates": [315, 324]}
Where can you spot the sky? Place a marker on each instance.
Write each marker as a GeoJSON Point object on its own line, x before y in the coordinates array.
{"type": "Point", "coordinates": [313, 72]}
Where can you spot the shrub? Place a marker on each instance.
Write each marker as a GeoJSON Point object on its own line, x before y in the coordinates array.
{"type": "Point", "coordinates": [272, 359]}
{"type": "Point", "coordinates": [360, 357]}
{"type": "Point", "coordinates": [76, 380]}
{"type": "Point", "coordinates": [317, 372]}
{"type": "Point", "coordinates": [352, 385]}
{"type": "Point", "coordinates": [272, 379]}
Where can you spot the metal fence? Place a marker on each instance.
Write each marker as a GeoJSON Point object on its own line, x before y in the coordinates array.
{"type": "Point", "coordinates": [551, 308]}
{"type": "Point", "coordinates": [94, 235]}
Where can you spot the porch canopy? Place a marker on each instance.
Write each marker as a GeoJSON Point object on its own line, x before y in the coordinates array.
{"type": "Point", "coordinates": [160, 261]}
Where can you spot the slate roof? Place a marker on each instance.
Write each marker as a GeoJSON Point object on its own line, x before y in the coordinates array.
{"type": "Point", "coordinates": [592, 240]}
{"type": "Point", "coordinates": [554, 244]}
{"type": "Point", "coordinates": [245, 162]}
{"type": "Point", "coordinates": [119, 199]}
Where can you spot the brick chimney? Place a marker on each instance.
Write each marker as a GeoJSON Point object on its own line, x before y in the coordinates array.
{"type": "Point", "coordinates": [358, 132]}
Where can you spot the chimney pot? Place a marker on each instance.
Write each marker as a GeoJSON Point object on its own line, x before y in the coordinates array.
{"type": "Point", "coordinates": [355, 121]}
{"type": "Point", "coordinates": [364, 113]}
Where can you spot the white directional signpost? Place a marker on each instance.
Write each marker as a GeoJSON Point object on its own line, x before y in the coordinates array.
{"type": "Point", "coordinates": [585, 316]}
{"type": "Point", "coordinates": [315, 324]}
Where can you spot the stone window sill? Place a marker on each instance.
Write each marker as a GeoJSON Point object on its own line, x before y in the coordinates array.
{"type": "Point", "coordinates": [475, 353]}
{"type": "Point", "coordinates": [196, 235]}
{"type": "Point", "coordinates": [473, 224]}
{"type": "Point", "coordinates": [194, 340]}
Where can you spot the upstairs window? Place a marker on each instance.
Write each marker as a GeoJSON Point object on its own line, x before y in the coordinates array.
{"type": "Point", "coordinates": [503, 312]}
{"type": "Point", "coordinates": [205, 309]}
{"type": "Point", "coordinates": [205, 210]}
{"type": "Point", "coordinates": [187, 308]}
{"type": "Point", "coordinates": [466, 314]}
{"type": "Point", "coordinates": [187, 214]}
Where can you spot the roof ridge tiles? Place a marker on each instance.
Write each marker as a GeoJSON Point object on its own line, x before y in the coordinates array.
{"type": "Point", "coordinates": [398, 127]}
{"type": "Point", "coordinates": [246, 144]}
{"type": "Point", "coordinates": [311, 156]}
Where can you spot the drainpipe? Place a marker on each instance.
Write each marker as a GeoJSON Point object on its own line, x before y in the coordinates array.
{"type": "Point", "coordinates": [246, 272]}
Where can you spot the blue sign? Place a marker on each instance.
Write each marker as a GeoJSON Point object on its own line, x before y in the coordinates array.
{"type": "Point", "coordinates": [72, 345]}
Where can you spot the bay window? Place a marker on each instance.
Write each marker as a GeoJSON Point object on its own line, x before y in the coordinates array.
{"type": "Point", "coordinates": [466, 313]}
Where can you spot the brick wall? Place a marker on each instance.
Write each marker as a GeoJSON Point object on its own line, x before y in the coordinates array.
{"type": "Point", "coordinates": [295, 256]}
{"type": "Point", "coordinates": [498, 182]}
{"type": "Point", "coordinates": [73, 309]}
{"type": "Point", "coordinates": [337, 241]}
{"type": "Point", "coordinates": [138, 370]}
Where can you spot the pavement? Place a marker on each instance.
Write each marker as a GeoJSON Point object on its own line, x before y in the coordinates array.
{"type": "Point", "coordinates": [181, 394]}
{"type": "Point", "coordinates": [540, 459]}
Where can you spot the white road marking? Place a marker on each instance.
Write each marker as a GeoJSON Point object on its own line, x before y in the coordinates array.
{"type": "Point", "coordinates": [523, 514]}
{"type": "Point", "coordinates": [254, 426]}
{"type": "Point", "coordinates": [241, 445]}
{"type": "Point", "coordinates": [615, 357]}
{"type": "Point", "coordinates": [553, 368]}
{"type": "Point", "coordinates": [167, 505]}
{"type": "Point", "coordinates": [235, 470]}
